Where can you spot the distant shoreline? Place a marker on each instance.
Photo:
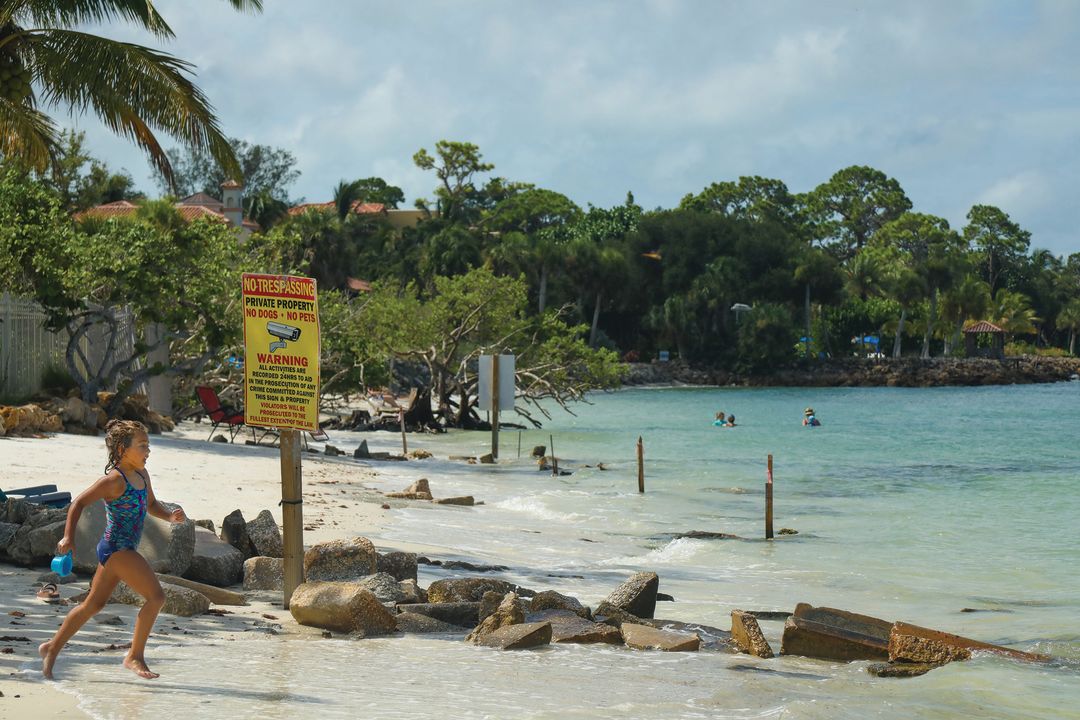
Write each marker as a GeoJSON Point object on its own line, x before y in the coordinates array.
{"type": "Point", "coordinates": [867, 372]}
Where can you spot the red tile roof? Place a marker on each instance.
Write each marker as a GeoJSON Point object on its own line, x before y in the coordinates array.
{"type": "Point", "coordinates": [230, 184]}
{"type": "Point", "coordinates": [358, 207]}
{"type": "Point", "coordinates": [983, 327]}
{"type": "Point", "coordinates": [201, 198]}
{"type": "Point", "coordinates": [358, 285]}
{"type": "Point", "coordinates": [188, 210]}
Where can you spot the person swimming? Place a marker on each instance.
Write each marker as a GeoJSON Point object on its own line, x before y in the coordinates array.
{"type": "Point", "coordinates": [730, 421]}
{"type": "Point", "coordinates": [719, 421]}
{"type": "Point", "coordinates": [809, 419]}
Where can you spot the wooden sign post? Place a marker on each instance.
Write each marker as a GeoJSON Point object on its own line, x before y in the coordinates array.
{"type": "Point", "coordinates": [495, 406]}
{"type": "Point", "coordinates": [292, 512]}
{"type": "Point", "coordinates": [640, 465]}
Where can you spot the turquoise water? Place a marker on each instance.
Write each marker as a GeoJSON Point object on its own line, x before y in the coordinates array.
{"type": "Point", "coordinates": [910, 504]}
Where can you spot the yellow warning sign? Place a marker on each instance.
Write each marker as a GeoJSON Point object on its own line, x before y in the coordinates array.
{"type": "Point", "coordinates": [281, 352]}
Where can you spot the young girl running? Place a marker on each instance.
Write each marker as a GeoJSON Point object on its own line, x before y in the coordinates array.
{"type": "Point", "coordinates": [128, 497]}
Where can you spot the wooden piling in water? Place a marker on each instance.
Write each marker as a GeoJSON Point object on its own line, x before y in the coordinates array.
{"type": "Point", "coordinates": [640, 465]}
{"type": "Point", "coordinates": [768, 502]}
{"type": "Point", "coordinates": [404, 444]}
{"type": "Point", "coordinates": [554, 460]}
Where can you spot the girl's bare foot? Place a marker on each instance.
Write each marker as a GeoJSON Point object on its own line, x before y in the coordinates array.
{"type": "Point", "coordinates": [47, 659]}
{"type": "Point", "coordinates": [138, 666]}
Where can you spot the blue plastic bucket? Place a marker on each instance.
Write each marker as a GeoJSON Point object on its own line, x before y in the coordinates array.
{"type": "Point", "coordinates": [61, 564]}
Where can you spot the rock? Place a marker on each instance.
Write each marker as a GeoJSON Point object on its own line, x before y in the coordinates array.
{"type": "Point", "coordinates": [168, 547]}
{"type": "Point", "coordinates": [208, 524]}
{"type": "Point", "coordinates": [462, 500]}
{"type": "Point", "coordinates": [362, 452]}
{"type": "Point", "coordinates": [747, 634]}
{"type": "Point", "coordinates": [519, 636]}
{"type": "Point", "coordinates": [265, 535]}
{"type": "Point", "coordinates": [384, 587]}
{"type": "Point", "coordinates": [489, 603]}
{"type": "Point", "coordinates": [900, 669]}
{"type": "Point", "coordinates": [470, 589]}
{"type": "Point", "coordinates": [509, 612]}
{"type": "Point", "coordinates": [413, 592]}
{"type": "Point", "coordinates": [216, 595]}
{"type": "Point", "coordinates": [7, 534]}
{"type": "Point", "coordinates": [402, 565]}
{"type": "Point", "coordinates": [643, 637]}
{"type": "Point", "coordinates": [569, 627]}
{"type": "Point", "coordinates": [341, 606]}
{"type": "Point", "coordinates": [234, 531]}
{"type": "Point", "coordinates": [637, 595]}
{"type": "Point", "coordinates": [614, 616]}
{"type": "Point", "coordinates": [415, 623]}
{"type": "Point", "coordinates": [214, 561]}
{"type": "Point", "coordinates": [463, 614]}
{"type": "Point", "coordinates": [420, 486]}
{"type": "Point", "coordinates": [340, 560]}
{"type": "Point", "coordinates": [911, 643]}
{"type": "Point", "coordinates": [219, 438]}
{"type": "Point", "coordinates": [551, 600]}
{"type": "Point", "coordinates": [538, 451]}
{"type": "Point", "coordinates": [264, 573]}
{"type": "Point", "coordinates": [487, 459]}
{"type": "Point", "coordinates": [332, 451]}
{"type": "Point", "coordinates": [43, 539]}
{"type": "Point", "coordinates": [832, 634]}
{"type": "Point", "coordinates": [419, 454]}
{"type": "Point", "coordinates": [178, 600]}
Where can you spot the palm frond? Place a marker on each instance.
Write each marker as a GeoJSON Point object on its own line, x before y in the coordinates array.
{"type": "Point", "coordinates": [27, 135]}
{"type": "Point", "coordinates": [69, 13]}
{"type": "Point", "coordinates": [135, 90]}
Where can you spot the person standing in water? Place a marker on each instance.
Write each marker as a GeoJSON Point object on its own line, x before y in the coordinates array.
{"type": "Point", "coordinates": [128, 497]}
{"type": "Point", "coordinates": [809, 419]}
{"type": "Point", "coordinates": [719, 421]}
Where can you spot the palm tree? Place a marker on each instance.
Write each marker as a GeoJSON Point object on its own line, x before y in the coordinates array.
{"type": "Point", "coordinates": [1069, 318]}
{"type": "Point", "coordinates": [968, 299]}
{"type": "Point", "coordinates": [136, 91]}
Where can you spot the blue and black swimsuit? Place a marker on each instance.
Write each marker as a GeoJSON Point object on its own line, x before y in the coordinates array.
{"type": "Point", "coordinates": [124, 518]}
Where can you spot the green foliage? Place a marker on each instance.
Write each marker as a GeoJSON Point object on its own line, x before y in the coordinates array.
{"type": "Point", "coordinates": [767, 338]}
{"type": "Point", "coordinates": [852, 206]}
{"type": "Point", "coordinates": [1016, 348]}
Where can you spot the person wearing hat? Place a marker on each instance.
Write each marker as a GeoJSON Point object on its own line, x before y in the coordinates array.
{"type": "Point", "coordinates": [808, 418]}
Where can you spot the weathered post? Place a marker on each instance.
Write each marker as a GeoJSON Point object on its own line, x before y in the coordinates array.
{"type": "Point", "coordinates": [768, 502]}
{"type": "Point", "coordinates": [292, 513]}
{"type": "Point", "coordinates": [519, 443]}
{"type": "Point", "coordinates": [495, 406]}
{"type": "Point", "coordinates": [554, 460]}
{"type": "Point", "coordinates": [404, 445]}
{"type": "Point", "coordinates": [640, 465]}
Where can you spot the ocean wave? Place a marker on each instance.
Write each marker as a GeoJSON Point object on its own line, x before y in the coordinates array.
{"type": "Point", "coordinates": [535, 506]}
{"type": "Point", "coordinates": [674, 553]}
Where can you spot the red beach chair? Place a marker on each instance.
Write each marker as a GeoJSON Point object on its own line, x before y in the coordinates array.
{"type": "Point", "coordinates": [220, 414]}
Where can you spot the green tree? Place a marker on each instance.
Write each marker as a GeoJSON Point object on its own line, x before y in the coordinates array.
{"type": "Point", "coordinates": [1069, 319]}
{"type": "Point", "coordinates": [767, 338]}
{"type": "Point", "coordinates": [456, 165]}
{"type": "Point", "coordinates": [854, 204]}
{"type": "Point", "coordinates": [751, 198]}
{"type": "Point", "coordinates": [135, 90]}
{"type": "Point", "coordinates": [82, 181]}
{"type": "Point", "coordinates": [999, 242]}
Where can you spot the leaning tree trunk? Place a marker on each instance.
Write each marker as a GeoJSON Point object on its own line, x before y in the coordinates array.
{"type": "Point", "coordinates": [899, 334]}
{"type": "Point", "coordinates": [929, 325]}
{"type": "Point", "coordinates": [595, 320]}
{"type": "Point", "coordinates": [1072, 341]}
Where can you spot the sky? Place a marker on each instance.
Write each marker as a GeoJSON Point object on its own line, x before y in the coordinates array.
{"type": "Point", "coordinates": [962, 102]}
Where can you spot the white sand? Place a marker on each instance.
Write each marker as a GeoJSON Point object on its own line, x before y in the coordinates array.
{"type": "Point", "coordinates": [342, 499]}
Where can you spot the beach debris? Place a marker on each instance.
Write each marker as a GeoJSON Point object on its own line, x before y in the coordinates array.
{"type": "Point", "coordinates": [462, 614]}
{"type": "Point", "coordinates": [17, 613]}
{"type": "Point", "coordinates": [471, 589]}
{"type": "Point", "coordinates": [748, 636]}
{"type": "Point", "coordinates": [466, 458]}
{"type": "Point", "coordinates": [234, 531]}
{"type": "Point", "coordinates": [341, 606]}
{"type": "Point", "coordinates": [518, 637]}
{"type": "Point", "coordinates": [384, 506]}
{"type": "Point", "coordinates": [6, 651]}
{"type": "Point", "coordinates": [415, 623]}
{"type": "Point", "coordinates": [509, 611]}
{"type": "Point", "coordinates": [362, 452]}
{"type": "Point", "coordinates": [551, 600]}
{"type": "Point", "coordinates": [706, 535]}
{"type": "Point", "coordinates": [637, 594]}
{"type": "Point", "coordinates": [914, 644]}
{"type": "Point", "coordinates": [219, 438]}
{"type": "Point", "coordinates": [569, 627]}
{"type": "Point", "coordinates": [419, 490]}
{"type": "Point", "coordinates": [214, 561]}
{"type": "Point", "coordinates": [831, 634]}
{"type": "Point", "coordinates": [109, 619]}
{"type": "Point", "coordinates": [643, 637]}
{"type": "Point", "coordinates": [487, 459]}
{"type": "Point", "coordinates": [264, 573]}
{"type": "Point", "coordinates": [787, 531]}
{"type": "Point", "coordinates": [419, 454]}
{"type": "Point", "coordinates": [216, 594]}
{"type": "Point", "coordinates": [538, 451]}
{"type": "Point", "coordinates": [900, 669]}
{"type": "Point", "coordinates": [265, 535]}
{"type": "Point", "coordinates": [14, 638]}
{"type": "Point", "coordinates": [180, 601]}
{"type": "Point", "coordinates": [332, 451]}
{"type": "Point", "coordinates": [208, 524]}
{"type": "Point", "coordinates": [402, 565]}
{"type": "Point", "coordinates": [467, 500]}
{"type": "Point", "coordinates": [349, 559]}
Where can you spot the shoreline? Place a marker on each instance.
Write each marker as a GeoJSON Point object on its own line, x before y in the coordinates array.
{"type": "Point", "coordinates": [866, 372]}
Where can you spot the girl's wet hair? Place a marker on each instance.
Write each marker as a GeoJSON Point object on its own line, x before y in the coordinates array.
{"type": "Point", "coordinates": [119, 434]}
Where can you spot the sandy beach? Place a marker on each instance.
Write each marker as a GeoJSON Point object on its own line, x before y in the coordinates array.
{"type": "Point", "coordinates": [342, 499]}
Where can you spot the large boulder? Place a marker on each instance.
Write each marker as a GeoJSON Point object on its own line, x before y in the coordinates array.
{"type": "Point", "coordinates": [384, 587]}
{"type": "Point", "coordinates": [551, 600]}
{"type": "Point", "coordinates": [643, 637]}
{"type": "Point", "coordinates": [7, 534]}
{"type": "Point", "coordinates": [409, 622]}
{"type": "Point", "coordinates": [265, 535]}
{"type": "Point", "coordinates": [569, 627]}
{"type": "Point", "coordinates": [168, 547]}
{"type": "Point", "coordinates": [341, 606]}
{"type": "Point", "coordinates": [180, 601]}
{"type": "Point", "coordinates": [519, 636]}
{"type": "Point", "coordinates": [637, 595]}
{"type": "Point", "coordinates": [402, 565]}
{"type": "Point", "coordinates": [340, 560]}
{"type": "Point", "coordinates": [264, 573]}
{"type": "Point", "coordinates": [214, 561]}
{"type": "Point", "coordinates": [30, 544]}
{"type": "Point", "coordinates": [509, 612]}
{"type": "Point", "coordinates": [234, 531]}
{"type": "Point", "coordinates": [462, 614]}
{"type": "Point", "coordinates": [748, 636]}
{"type": "Point", "coordinates": [469, 589]}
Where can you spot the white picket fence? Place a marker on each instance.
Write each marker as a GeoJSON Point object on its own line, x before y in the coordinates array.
{"type": "Point", "coordinates": [27, 348]}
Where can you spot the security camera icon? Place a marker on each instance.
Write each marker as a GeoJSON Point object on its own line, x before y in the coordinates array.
{"type": "Point", "coordinates": [287, 333]}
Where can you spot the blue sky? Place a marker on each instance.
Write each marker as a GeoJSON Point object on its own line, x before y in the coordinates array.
{"type": "Point", "coordinates": [962, 102]}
